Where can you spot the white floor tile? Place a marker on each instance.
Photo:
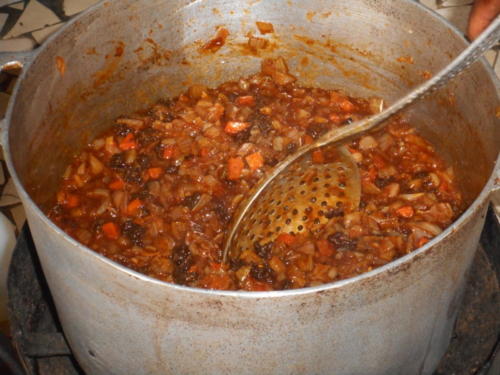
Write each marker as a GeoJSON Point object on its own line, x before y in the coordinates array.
{"type": "Point", "coordinates": [19, 216]}
{"type": "Point", "coordinates": [36, 16]}
{"type": "Point", "coordinates": [16, 44]}
{"type": "Point", "coordinates": [72, 7]}
{"type": "Point", "coordinates": [491, 56]}
{"type": "Point", "coordinates": [497, 67]}
{"type": "Point", "coordinates": [9, 195]}
{"type": "Point", "coordinates": [41, 35]}
{"type": "Point", "coordinates": [18, 6]}
{"type": "Point", "coordinates": [3, 19]}
{"type": "Point", "coordinates": [7, 2]}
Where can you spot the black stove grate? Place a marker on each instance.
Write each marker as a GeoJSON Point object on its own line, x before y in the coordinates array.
{"type": "Point", "coordinates": [42, 349]}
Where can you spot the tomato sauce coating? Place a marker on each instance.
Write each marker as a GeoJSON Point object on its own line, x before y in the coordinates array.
{"type": "Point", "coordinates": [157, 191]}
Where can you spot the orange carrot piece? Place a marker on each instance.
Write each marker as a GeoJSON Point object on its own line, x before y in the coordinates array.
{"type": "Point", "coordinates": [118, 184]}
{"type": "Point", "coordinates": [128, 143]}
{"type": "Point", "coordinates": [134, 206]}
{"type": "Point", "coordinates": [111, 231]}
{"type": "Point", "coordinates": [204, 152]}
{"type": "Point", "coordinates": [318, 157]}
{"type": "Point", "coordinates": [371, 175]}
{"type": "Point", "coordinates": [218, 266]}
{"type": "Point", "coordinates": [155, 173]}
{"type": "Point", "coordinates": [193, 268]}
{"type": "Point", "coordinates": [169, 152]}
{"type": "Point", "coordinates": [346, 106]}
{"type": "Point", "coordinates": [405, 211]}
{"type": "Point", "coordinates": [444, 187]}
{"type": "Point", "coordinates": [247, 100]}
{"type": "Point", "coordinates": [378, 161]}
{"type": "Point", "coordinates": [217, 281]}
{"type": "Point", "coordinates": [255, 161]}
{"type": "Point", "coordinates": [234, 127]}
{"type": "Point", "coordinates": [72, 200]}
{"type": "Point", "coordinates": [308, 139]}
{"type": "Point", "coordinates": [286, 238]}
{"type": "Point", "coordinates": [234, 168]}
{"type": "Point", "coordinates": [421, 242]}
{"type": "Point", "coordinates": [335, 118]}
{"type": "Point", "coordinates": [325, 248]}
{"type": "Point", "coordinates": [351, 150]}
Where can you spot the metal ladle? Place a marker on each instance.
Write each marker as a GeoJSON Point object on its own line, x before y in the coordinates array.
{"type": "Point", "coordinates": [297, 200]}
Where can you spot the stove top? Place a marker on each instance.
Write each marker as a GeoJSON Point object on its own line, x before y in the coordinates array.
{"type": "Point", "coordinates": [42, 348]}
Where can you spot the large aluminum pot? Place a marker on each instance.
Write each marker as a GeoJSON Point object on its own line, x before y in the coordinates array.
{"type": "Point", "coordinates": [122, 55]}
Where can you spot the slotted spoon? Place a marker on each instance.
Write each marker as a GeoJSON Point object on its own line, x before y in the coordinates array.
{"type": "Point", "coordinates": [301, 196]}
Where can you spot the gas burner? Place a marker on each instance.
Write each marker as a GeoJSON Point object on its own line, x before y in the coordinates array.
{"type": "Point", "coordinates": [42, 348]}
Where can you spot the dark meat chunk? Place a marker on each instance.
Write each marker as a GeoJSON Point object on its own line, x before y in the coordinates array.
{"type": "Point", "coordinates": [143, 161]}
{"type": "Point", "coordinates": [262, 121]}
{"type": "Point", "coordinates": [291, 147]}
{"type": "Point", "coordinates": [221, 210]}
{"type": "Point", "coordinates": [134, 232]}
{"type": "Point", "coordinates": [243, 136]}
{"type": "Point", "coordinates": [168, 117]}
{"type": "Point", "coordinates": [264, 251]}
{"type": "Point", "coordinates": [182, 258]}
{"type": "Point", "coordinates": [316, 130]}
{"type": "Point", "coordinates": [117, 161]}
{"type": "Point", "coordinates": [272, 161]}
{"type": "Point", "coordinates": [191, 200]}
{"type": "Point", "coordinates": [122, 130]}
{"type": "Point", "coordinates": [342, 241]}
{"type": "Point", "coordinates": [235, 263]}
{"type": "Point", "coordinates": [171, 169]}
{"type": "Point", "coordinates": [334, 212]}
{"type": "Point", "coordinates": [382, 182]}
{"type": "Point", "coordinates": [133, 175]}
{"type": "Point", "coordinates": [159, 150]}
{"type": "Point", "coordinates": [262, 272]}
{"type": "Point", "coordinates": [147, 136]}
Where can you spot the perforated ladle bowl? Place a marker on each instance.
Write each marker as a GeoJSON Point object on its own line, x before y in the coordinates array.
{"type": "Point", "coordinates": [293, 197]}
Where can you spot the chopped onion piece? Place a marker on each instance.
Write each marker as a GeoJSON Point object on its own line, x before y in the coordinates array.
{"type": "Point", "coordinates": [367, 143]}
{"type": "Point", "coordinates": [428, 227]}
{"type": "Point", "coordinates": [411, 197]}
{"type": "Point", "coordinates": [376, 105]}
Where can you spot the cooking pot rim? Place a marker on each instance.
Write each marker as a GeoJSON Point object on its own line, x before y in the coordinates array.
{"type": "Point", "coordinates": [391, 266]}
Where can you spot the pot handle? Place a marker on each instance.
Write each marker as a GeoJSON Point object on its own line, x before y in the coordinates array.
{"type": "Point", "coordinates": [10, 60]}
{"type": "Point", "coordinates": [13, 60]}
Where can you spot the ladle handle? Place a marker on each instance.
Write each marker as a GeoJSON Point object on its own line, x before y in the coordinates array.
{"type": "Point", "coordinates": [343, 134]}
{"type": "Point", "coordinates": [473, 52]}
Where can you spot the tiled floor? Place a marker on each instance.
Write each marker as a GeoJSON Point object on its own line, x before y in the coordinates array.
{"type": "Point", "coordinates": [26, 24]}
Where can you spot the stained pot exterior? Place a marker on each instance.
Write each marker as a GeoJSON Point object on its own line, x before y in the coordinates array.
{"type": "Point", "coordinates": [123, 55]}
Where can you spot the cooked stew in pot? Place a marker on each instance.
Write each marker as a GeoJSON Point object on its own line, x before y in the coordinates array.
{"type": "Point", "coordinates": [157, 191]}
